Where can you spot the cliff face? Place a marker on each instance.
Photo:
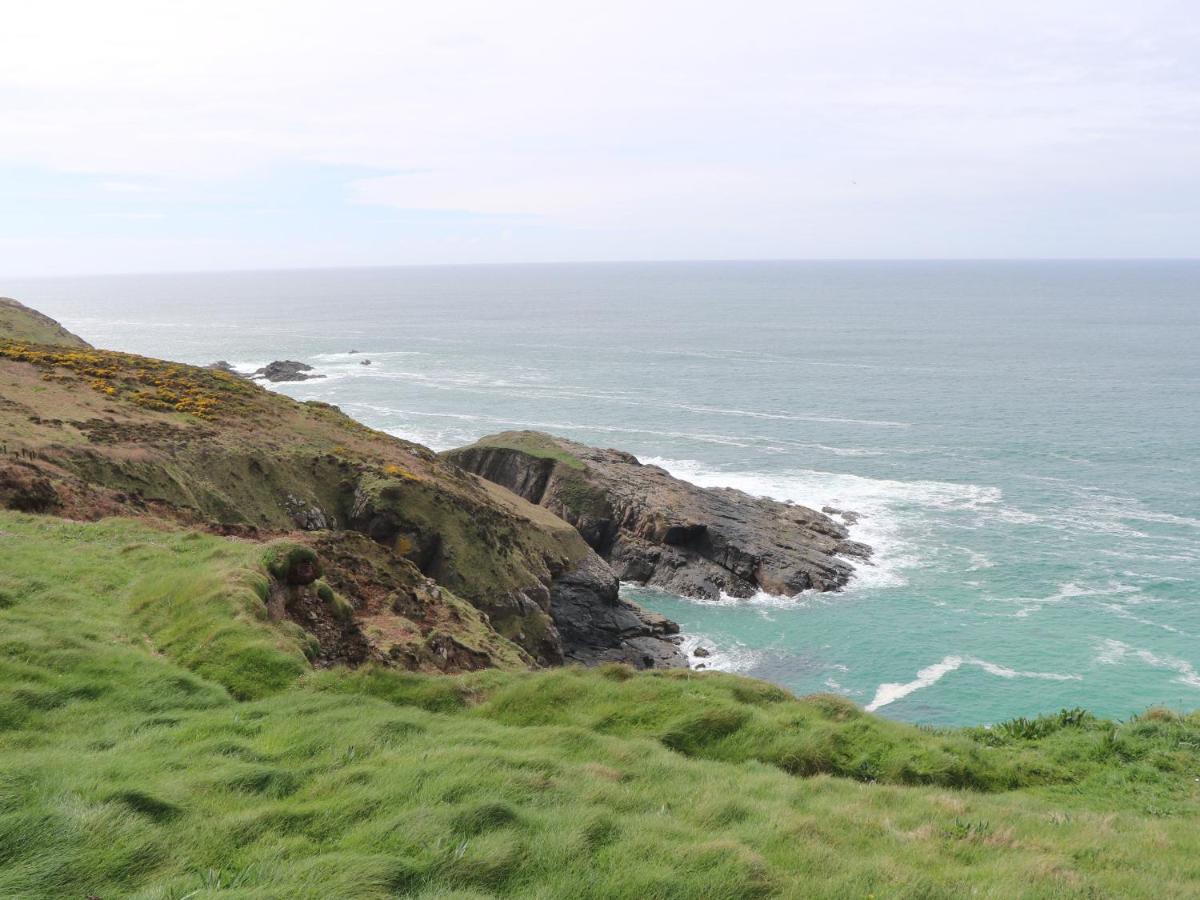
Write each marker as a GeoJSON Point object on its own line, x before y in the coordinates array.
{"type": "Point", "coordinates": [658, 530]}
{"type": "Point", "coordinates": [88, 433]}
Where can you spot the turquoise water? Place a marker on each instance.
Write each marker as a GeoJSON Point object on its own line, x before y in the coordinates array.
{"type": "Point", "coordinates": [1021, 438]}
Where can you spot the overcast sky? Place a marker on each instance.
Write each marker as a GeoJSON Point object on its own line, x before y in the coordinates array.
{"type": "Point", "coordinates": [178, 135]}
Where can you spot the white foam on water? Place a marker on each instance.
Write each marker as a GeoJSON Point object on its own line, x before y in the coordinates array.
{"type": "Point", "coordinates": [1091, 511]}
{"type": "Point", "coordinates": [978, 560]}
{"type": "Point", "coordinates": [243, 367]}
{"type": "Point", "coordinates": [890, 692]}
{"type": "Point", "coordinates": [736, 658]}
{"type": "Point", "coordinates": [1067, 591]}
{"type": "Point", "coordinates": [1112, 652]}
{"type": "Point", "coordinates": [1118, 610]}
{"type": "Point", "coordinates": [838, 688]}
{"type": "Point", "coordinates": [892, 513]}
{"type": "Point", "coordinates": [753, 414]}
{"type": "Point", "coordinates": [373, 355]}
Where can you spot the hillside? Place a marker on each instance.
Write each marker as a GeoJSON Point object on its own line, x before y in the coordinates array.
{"type": "Point", "coordinates": [250, 648]}
{"type": "Point", "coordinates": [130, 768]}
{"type": "Point", "coordinates": [20, 323]}
{"type": "Point", "coordinates": [87, 433]}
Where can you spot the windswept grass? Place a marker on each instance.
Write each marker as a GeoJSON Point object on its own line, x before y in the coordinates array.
{"type": "Point", "coordinates": [128, 768]}
{"type": "Point", "coordinates": [534, 443]}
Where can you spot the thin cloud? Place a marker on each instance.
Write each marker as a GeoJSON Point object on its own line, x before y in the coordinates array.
{"type": "Point", "coordinates": [624, 130]}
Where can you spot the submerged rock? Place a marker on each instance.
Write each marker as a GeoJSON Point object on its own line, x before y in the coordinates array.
{"type": "Point", "coordinates": [656, 529]}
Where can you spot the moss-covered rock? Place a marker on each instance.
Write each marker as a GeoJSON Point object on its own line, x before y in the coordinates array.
{"type": "Point", "coordinates": [292, 563]}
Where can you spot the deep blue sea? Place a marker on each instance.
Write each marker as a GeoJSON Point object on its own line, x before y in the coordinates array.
{"type": "Point", "coordinates": [1021, 438]}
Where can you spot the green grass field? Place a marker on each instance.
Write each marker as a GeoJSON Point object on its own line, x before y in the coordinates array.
{"type": "Point", "coordinates": [160, 738]}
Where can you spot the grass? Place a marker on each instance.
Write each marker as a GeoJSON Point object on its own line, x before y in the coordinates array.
{"type": "Point", "coordinates": [533, 443]}
{"type": "Point", "coordinates": [19, 323]}
{"type": "Point", "coordinates": [152, 384]}
{"type": "Point", "coordinates": [129, 767]}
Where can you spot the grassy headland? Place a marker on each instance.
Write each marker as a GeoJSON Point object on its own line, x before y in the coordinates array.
{"type": "Point", "coordinates": [222, 615]}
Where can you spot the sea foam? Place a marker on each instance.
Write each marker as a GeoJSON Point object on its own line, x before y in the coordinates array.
{"type": "Point", "coordinates": [890, 692]}
{"type": "Point", "coordinates": [892, 512]}
{"type": "Point", "coordinates": [1113, 652]}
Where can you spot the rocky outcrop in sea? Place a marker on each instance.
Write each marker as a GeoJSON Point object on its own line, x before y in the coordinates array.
{"type": "Point", "coordinates": [658, 530]}
{"type": "Point", "coordinates": [285, 370]}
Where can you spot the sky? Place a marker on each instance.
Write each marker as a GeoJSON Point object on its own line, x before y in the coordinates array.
{"type": "Point", "coordinates": [152, 136]}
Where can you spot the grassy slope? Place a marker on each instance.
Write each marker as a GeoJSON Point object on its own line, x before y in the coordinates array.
{"type": "Point", "coordinates": [218, 449]}
{"type": "Point", "coordinates": [129, 769]}
{"type": "Point", "coordinates": [533, 443]}
{"type": "Point", "coordinates": [20, 323]}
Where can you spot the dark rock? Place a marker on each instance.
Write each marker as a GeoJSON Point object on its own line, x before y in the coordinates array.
{"type": "Point", "coordinates": [702, 652]}
{"type": "Point", "coordinates": [306, 515]}
{"type": "Point", "coordinates": [656, 529]}
{"type": "Point", "coordinates": [285, 370]}
{"type": "Point", "coordinates": [222, 366]}
{"type": "Point", "coordinates": [848, 516]}
{"type": "Point", "coordinates": [365, 362]}
{"type": "Point", "coordinates": [855, 549]}
{"type": "Point", "coordinates": [596, 625]}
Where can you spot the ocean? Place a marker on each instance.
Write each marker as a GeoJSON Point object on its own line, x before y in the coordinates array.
{"type": "Point", "coordinates": [1020, 438]}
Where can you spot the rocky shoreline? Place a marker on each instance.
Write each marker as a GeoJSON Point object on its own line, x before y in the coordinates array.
{"type": "Point", "coordinates": [644, 527]}
{"type": "Point", "coordinates": [657, 530]}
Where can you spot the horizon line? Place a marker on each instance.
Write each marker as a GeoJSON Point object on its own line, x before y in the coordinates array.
{"type": "Point", "coordinates": [615, 262]}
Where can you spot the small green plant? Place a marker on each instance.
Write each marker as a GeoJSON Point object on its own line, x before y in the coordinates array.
{"type": "Point", "coordinates": [341, 608]}
{"type": "Point", "coordinates": [967, 830]}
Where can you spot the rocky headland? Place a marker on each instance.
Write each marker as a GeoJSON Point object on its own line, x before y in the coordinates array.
{"type": "Point", "coordinates": [442, 571]}
{"type": "Point", "coordinates": [658, 530]}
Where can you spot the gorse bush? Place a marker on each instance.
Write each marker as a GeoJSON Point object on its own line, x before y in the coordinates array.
{"type": "Point", "coordinates": [150, 383]}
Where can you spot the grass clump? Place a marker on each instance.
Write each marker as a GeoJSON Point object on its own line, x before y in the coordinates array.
{"type": "Point", "coordinates": [292, 563]}
{"type": "Point", "coordinates": [341, 608]}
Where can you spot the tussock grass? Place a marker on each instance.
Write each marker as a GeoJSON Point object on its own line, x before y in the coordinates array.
{"type": "Point", "coordinates": [130, 768]}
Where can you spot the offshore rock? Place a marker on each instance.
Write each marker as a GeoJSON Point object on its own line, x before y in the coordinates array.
{"type": "Point", "coordinates": [285, 370]}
